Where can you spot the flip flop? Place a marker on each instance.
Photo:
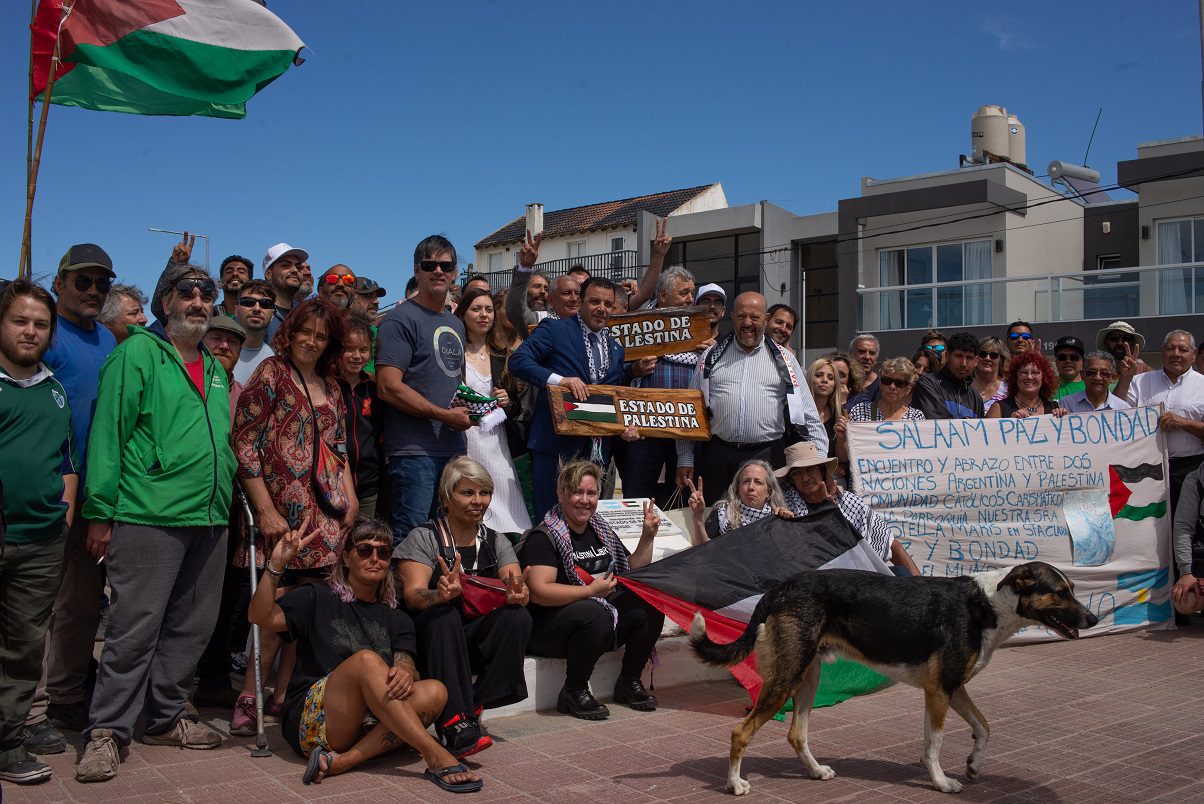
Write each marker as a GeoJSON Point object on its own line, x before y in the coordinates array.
{"type": "Point", "coordinates": [315, 764]}
{"type": "Point", "coordinates": [456, 787]}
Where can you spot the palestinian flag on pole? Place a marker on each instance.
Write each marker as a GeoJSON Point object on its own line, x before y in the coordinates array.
{"type": "Point", "coordinates": [596, 408]}
{"type": "Point", "coordinates": [1137, 492]}
{"type": "Point", "coordinates": [160, 57]}
{"type": "Point", "coordinates": [725, 578]}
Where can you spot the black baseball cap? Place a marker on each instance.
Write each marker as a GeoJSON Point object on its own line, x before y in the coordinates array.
{"type": "Point", "coordinates": [1070, 342]}
{"type": "Point", "coordinates": [86, 255]}
{"type": "Point", "coordinates": [365, 285]}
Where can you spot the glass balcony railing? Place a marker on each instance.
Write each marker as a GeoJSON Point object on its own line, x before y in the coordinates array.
{"type": "Point", "coordinates": [1115, 293]}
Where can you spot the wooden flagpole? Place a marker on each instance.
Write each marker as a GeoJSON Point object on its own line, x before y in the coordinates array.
{"type": "Point", "coordinates": [24, 269]}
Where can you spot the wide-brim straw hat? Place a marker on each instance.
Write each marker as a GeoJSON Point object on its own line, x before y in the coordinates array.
{"type": "Point", "coordinates": [802, 455]}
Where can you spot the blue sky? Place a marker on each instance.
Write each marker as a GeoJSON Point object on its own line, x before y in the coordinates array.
{"type": "Point", "coordinates": [419, 117]}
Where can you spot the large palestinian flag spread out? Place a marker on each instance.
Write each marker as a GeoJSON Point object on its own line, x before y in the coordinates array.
{"type": "Point", "coordinates": [725, 578]}
{"type": "Point", "coordinates": [161, 57]}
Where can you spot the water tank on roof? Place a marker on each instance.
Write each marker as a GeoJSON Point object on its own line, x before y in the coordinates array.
{"type": "Point", "coordinates": [989, 133]}
{"type": "Point", "coordinates": [1016, 145]}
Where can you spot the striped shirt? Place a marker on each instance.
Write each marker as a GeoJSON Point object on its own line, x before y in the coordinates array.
{"type": "Point", "coordinates": [868, 525]}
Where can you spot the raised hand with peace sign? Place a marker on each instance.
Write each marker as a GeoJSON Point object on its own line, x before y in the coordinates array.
{"type": "Point", "coordinates": [181, 253]}
{"type": "Point", "coordinates": [529, 253]}
{"type": "Point", "coordinates": [663, 240]}
{"type": "Point", "coordinates": [448, 586]}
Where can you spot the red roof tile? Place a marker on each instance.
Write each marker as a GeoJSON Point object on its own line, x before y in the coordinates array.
{"type": "Point", "coordinates": [594, 217]}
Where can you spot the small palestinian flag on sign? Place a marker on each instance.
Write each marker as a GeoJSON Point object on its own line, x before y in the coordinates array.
{"type": "Point", "coordinates": [1137, 492]}
{"type": "Point", "coordinates": [596, 408]}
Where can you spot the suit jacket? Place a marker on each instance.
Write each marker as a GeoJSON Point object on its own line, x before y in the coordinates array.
{"type": "Point", "coordinates": [556, 347]}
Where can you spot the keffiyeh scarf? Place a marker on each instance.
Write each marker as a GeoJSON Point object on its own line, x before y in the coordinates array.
{"type": "Point", "coordinates": [745, 515]}
{"type": "Point", "coordinates": [558, 529]}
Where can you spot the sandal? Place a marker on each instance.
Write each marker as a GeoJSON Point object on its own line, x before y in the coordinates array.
{"type": "Point", "coordinates": [453, 787]}
{"type": "Point", "coordinates": [315, 764]}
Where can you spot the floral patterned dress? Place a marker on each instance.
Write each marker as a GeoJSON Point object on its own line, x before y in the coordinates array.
{"type": "Point", "coordinates": [274, 440]}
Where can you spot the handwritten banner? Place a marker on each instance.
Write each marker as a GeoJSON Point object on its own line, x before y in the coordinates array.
{"type": "Point", "coordinates": [1086, 493]}
{"type": "Point", "coordinates": [667, 331]}
{"type": "Point", "coordinates": [656, 412]}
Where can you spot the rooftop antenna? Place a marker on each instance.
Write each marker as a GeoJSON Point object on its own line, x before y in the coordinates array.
{"type": "Point", "coordinates": [1091, 139]}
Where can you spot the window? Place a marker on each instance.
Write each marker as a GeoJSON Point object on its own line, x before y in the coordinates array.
{"type": "Point", "coordinates": [926, 285]}
{"type": "Point", "coordinates": [495, 261]}
{"type": "Point", "coordinates": [1180, 290]}
{"type": "Point", "coordinates": [575, 249]}
{"type": "Point", "coordinates": [618, 243]}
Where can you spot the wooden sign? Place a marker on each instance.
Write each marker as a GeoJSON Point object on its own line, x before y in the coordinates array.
{"type": "Point", "coordinates": [656, 412]}
{"type": "Point", "coordinates": [656, 332]}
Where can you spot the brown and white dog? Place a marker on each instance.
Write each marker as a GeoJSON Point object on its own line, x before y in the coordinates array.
{"type": "Point", "coordinates": [932, 633]}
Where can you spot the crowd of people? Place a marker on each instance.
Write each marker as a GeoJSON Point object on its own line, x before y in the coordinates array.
{"type": "Point", "coordinates": [418, 526]}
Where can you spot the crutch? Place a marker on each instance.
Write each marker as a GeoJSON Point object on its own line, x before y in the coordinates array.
{"type": "Point", "coordinates": [261, 739]}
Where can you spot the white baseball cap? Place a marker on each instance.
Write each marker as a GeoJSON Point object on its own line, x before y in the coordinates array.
{"type": "Point", "coordinates": [281, 250]}
{"type": "Point", "coordinates": [710, 288]}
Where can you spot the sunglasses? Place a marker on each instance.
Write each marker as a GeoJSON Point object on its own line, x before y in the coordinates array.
{"type": "Point", "coordinates": [208, 290]}
{"type": "Point", "coordinates": [383, 551]}
{"type": "Point", "coordinates": [897, 382]}
{"type": "Point", "coordinates": [1020, 336]}
{"type": "Point", "coordinates": [446, 266]}
{"type": "Point", "coordinates": [1120, 337]}
{"type": "Point", "coordinates": [84, 283]}
{"type": "Point", "coordinates": [989, 355]}
{"type": "Point", "coordinates": [936, 347]}
{"type": "Point", "coordinates": [339, 279]}
{"type": "Point", "coordinates": [249, 302]}
{"type": "Point", "coordinates": [1096, 373]}
{"type": "Point", "coordinates": [1069, 357]}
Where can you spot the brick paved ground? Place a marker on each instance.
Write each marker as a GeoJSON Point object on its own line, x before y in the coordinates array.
{"type": "Point", "coordinates": [1108, 719]}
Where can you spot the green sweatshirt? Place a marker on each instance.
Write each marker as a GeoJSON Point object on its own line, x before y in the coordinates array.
{"type": "Point", "coordinates": [158, 455]}
{"type": "Point", "coordinates": [35, 454]}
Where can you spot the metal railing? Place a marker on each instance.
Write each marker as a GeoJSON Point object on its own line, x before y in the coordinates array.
{"type": "Point", "coordinates": [1149, 291]}
{"type": "Point", "coordinates": [610, 264]}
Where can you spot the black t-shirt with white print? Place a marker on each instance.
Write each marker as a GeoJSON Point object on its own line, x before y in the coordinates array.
{"type": "Point", "coordinates": [589, 552]}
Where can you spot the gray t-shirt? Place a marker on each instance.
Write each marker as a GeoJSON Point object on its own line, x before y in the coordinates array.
{"type": "Point", "coordinates": [429, 348]}
{"type": "Point", "coordinates": [422, 545]}
{"type": "Point", "coordinates": [249, 360]}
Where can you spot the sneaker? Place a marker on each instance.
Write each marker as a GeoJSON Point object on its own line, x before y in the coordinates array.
{"type": "Point", "coordinates": [238, 663]}
{"type": "Point", "coordinates": [26, 771]}
{"type": "Point", "coordinates": [273, 710]}
{"type": "Point", "coordinates": [101, 758]}
{"type": "Point", "coordinates": [242, 722]}
{"type": "Point", "coordinates": [72, 716]}
{"type": "Point", "coordinates": [44, 738]}
{"type": "Point", "coordinates": [186, 734]}
{"type": "Point", "coordinates": [462, 737]}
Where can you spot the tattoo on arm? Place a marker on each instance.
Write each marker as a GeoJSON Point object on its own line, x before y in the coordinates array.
{"type": "Point", "coordinates": [406, 661]}
{"type": "Point", "coordinates": [390, 740]}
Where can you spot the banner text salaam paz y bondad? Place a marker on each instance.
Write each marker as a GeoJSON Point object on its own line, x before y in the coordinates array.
{"type": "Point", "coordinates": [1085, 492]}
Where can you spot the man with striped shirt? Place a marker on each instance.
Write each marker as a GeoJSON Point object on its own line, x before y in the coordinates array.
{"type": "Point", "coordinates": [757, 401]}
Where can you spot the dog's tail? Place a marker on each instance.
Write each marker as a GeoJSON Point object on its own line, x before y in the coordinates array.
{"type": "Point", "coordinates": [709, 652]}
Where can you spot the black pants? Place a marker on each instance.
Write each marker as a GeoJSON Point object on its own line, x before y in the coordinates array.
{"type": "Point", "coordinates": [583, 630]}
{"type": "Point", "coordinates": [717, 462]}
{"type": "Point", "coordinates": [641, 464]}
{"type": "Point", "coordinates": [451, 649]}
{"type": "Point", "coordinates": [1180, 468]}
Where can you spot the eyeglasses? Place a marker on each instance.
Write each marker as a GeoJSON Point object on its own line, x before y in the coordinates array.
{"type": "Point", "coordinates": [84, 283]}
{"type": "Point", "coordinates": [339, 279]}
{"type": "Point", "coordinates": [897, 382]}
{"type": "Point", "coordinates": [446, 266]}
{"type": "Point", "coordinates": [208, 290]}
{"type": "Point", "coordinates": [1120, 337]}
{"type": "Point", "coordinates": [248, 302]}
{"type": "Point", "coordinates": [1097, 373]}
{"type": "Point", "coordinates": [1069, 357]}
{"type": "Point", "coordinates": [936, 347]}
{"type": "Point", "coordinates": [1020, 336]}
{"type": "Point", "coordinates": [989, 355]}
{"type": "Point", "coordinates": [365, 550]}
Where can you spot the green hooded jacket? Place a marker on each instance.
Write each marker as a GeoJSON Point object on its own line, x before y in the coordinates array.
{"type": "Point", "coordinates": [158, 455]}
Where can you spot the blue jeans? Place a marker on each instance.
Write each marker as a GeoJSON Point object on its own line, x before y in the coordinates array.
{"type": "Point", "coordinates": [413, 479]}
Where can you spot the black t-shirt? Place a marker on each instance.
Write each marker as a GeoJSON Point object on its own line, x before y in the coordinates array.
{"type": "Point", "coordinates": [328, 631]}
{"type": "Point", "coordinates": [1008, 406]}
{"type": "Point", "coordinates": [589, 552]}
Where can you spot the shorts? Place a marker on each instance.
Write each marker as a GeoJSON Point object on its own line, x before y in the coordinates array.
{"type": "Point", "coordinates": [311, 729]}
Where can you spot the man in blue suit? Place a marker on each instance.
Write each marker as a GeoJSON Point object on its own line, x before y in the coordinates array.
{"type": "Point", "coordinates": [570, 352]}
